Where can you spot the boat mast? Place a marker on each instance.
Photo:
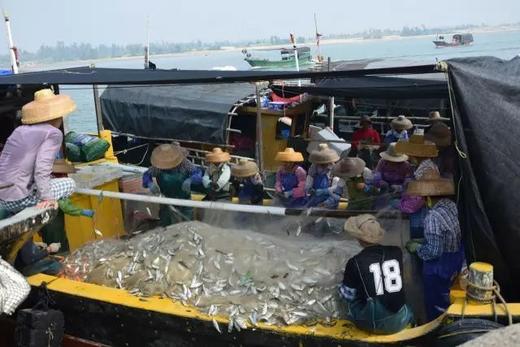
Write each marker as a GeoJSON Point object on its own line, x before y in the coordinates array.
{"type": "Point", "coordinates": [293, 41]}
{"type": "Point", "coordinates": [147, 45]}
{"type": "Point", "coordinates": [318, 36]}
{"type": "Point", "coordinates": [13, 52]}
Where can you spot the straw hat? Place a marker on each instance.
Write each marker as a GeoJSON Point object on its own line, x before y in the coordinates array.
{"type": "Point", "coordinates": [61, 166]}
{"type": "Point", "coordinates": [217, 155]}
{"type": "Point", "coordinates": [392, 155]}
{"type": "Point", "coordinates": [434, 116]}
{"type": "Point", "coordinates": [324, 155]}
{"type": "Point", "coordinates": [167, 156]}
{"type": "Point", "coordinates": [349, 167]}
{"type": "Point", "coordinates": [47, 106]}
{"type": "Point", "coordinates": [244, 168]}
{"type": "Point", "coordinates": [365, 227]}
{"type": "Point", "coordinates": [286, 120]}
{"type": "Point", "coordinates": [416, 146]}
{"type": "Point", "coordinates": [401, 123]}
{"type": "Point", "coordinates": [289, 156]}
{"type": "Point", "coordinates": [440, 134]}
{"type": "Point", "coordinates": [431, 184]}
{"type": "Point", "coordinates": [365, 119]}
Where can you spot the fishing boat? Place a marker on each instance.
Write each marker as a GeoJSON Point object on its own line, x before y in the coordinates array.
{"type": "Point", "coordinates": [287, 58]}
{"type": "Point", "coordinates": [102, 315]}
{"type": "Point", "coordinates": [457, 40]}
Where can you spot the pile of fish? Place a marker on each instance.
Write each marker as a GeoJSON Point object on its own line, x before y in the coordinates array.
{"type": "Point", "coordinates": [246, 276]}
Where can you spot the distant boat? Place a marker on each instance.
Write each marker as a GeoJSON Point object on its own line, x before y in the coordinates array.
{"type": "Point", "coordinates": [287, 58]}
{"type": "Point", "coordinates": [456, 41]}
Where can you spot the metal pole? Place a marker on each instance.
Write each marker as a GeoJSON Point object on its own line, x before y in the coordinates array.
{"type": "Point", "coordinates": [259, 132]}
{"type": "Point", "coordinates": [331, 112]}
{"type": "Point", "coordinates": [12, 48]}
{"type": "Point", "coordinates": [97, 104]}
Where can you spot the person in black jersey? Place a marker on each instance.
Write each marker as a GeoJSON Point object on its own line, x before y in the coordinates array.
{"type": "Point", "coordinates": [372, 285]}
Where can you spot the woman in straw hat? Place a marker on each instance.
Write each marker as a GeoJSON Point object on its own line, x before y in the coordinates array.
{"type": "Point", "coordinates": [399, 129]}
{"type": "Point", "coordinates": [247, 182]}
{"type": "Point", "coordinates": [356, 182]}
{"type": "Point", "coordinates": [420, 152]}
{"type": "Point", "coordinates": [216, 179]}
{"type": "Point", "coordinates": [290, 179]}
{"type": "Point", "coordinates": [372, 284]}
{"type": "Point", "coordinates": [393, 168]}
{"type": "Point", "coordinates": [174, 175]}
{"type": "Point", "coordinates": [441, 251]}
{"type": "Point", "coordinates": [29, 153]}
{"type": "Point", "coordinates": [321, 185]}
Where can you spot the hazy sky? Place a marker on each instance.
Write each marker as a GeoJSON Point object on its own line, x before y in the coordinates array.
{"type": "Point", "coordinates": [123, 21]}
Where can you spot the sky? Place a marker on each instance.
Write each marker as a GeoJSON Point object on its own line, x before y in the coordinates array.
{"type": "Point", "coordinates": [36, 22]}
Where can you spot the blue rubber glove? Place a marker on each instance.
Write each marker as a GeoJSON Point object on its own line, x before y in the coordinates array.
{"type": "Point", "coordinates": [147, 179]}
{"type": "Point", "coordinates": [87, 213]}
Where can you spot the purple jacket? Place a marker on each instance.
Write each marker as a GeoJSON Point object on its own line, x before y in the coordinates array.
{"type": "Point", "coordinates": [27, 159]}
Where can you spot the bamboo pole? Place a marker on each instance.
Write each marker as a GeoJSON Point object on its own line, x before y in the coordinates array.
{"type": "Point", "coordinates": [97, 105]}
{"type": "Point", "coordinates": [259, 131]}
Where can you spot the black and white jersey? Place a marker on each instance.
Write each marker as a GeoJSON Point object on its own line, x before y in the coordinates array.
{"type": "Point", "coordinates": [376, 272]}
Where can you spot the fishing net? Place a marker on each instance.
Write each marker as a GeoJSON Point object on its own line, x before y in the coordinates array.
{"type": "Point", "coordinates": [246, 275]}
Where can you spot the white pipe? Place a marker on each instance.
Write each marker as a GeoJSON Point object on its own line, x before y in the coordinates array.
{"type": "Point", "coordinates": [12, 55]}
{"type": "Point", "coordinates": [331, 110]}
{"type": "Point", "coordinates": [216, 205]}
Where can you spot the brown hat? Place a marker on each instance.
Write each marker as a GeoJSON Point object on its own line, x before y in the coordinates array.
{"type": "Point", "coordinates": [365, 227]}
{"type": "Point", "coordinates": [61, 166]}
{"type": "Point", "coordinates": [324, 155]}
{"type": "Point", "coordinates": [167, 156]}
{"type": "Point", "coordinates": [349, 167]}
{"type": "Point", "coordinates": [47, 106]}
{"type": "Point", "coordinates": [434, 116]}
{"type": "Point", "coordinates": [365, 119]}
{"type": "Point", "coordinates": [289, 156]}
{"type": "Point", "coordinates": [416, 146]}
{"type": "Point", "coordinates": [440, 134]}
{"type": "Point", "coordinates": [401, 123]}
{"type": "Point", "coordinates": [217, 155]}
{"type": "Point", "coordinates": [392, 155]}
{"type": "Point", "coordinates": [431, 184]}
{"type": "Point", "coordinates": [244, 168]}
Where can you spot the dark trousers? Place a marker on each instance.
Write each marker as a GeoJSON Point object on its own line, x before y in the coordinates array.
{"type": "Point", "coordinates": [436, 295]}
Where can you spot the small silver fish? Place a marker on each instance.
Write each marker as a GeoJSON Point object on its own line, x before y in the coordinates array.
{"type": "Point", "coordinates": [217, 327]}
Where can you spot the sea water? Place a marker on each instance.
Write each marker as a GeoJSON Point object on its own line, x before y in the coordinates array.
{"type": "Point", "coordinates": [391, 52]}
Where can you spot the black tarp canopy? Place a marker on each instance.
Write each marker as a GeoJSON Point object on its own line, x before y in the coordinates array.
{"type": "Point", "coordinates": [184, 112]}
{"type": "Point", "coordinates": [389, 87]}
{"type": "Point", "coordinates": [103, 76]}
{"type": "Point", "coordinates": [486, 100]}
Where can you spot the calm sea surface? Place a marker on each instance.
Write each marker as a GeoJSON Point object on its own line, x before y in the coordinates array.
{"type": "Point", "coordinates": [404, 51]}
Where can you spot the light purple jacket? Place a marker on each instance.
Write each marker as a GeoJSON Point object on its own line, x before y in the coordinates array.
{"type": "Point", "coordinates": [27, 159]}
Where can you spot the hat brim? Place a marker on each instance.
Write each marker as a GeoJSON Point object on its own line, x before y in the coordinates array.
{"type": "Point", "coordinates": [399, 159]}
{"type": "Point", "coordinates": [63, 169]}
{"type": "Point", "coordinates": [295, 157]}
{"type": "Point", "coordinates": [440, 187]}
{"type": "Point", "coordinates": [37, 111]}
{"type": "Point", "coordinates": [397, 125]}
{"type": "Point", "coordinates": [418, 150]}
{"type": "Point", "coordinates": [218, 158]}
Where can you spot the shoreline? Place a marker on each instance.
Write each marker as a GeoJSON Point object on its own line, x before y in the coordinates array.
{"type": "Point", "coordinates": [30, 66]}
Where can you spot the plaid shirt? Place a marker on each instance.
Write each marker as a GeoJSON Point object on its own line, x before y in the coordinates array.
{"type": "Point", "coordinates": [441, 231]}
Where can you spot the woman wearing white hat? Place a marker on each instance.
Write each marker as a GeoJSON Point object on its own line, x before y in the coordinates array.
{"type": "Point", "coordinates": [399, 129]}
{"type": "Point", "coordinates": [321, 184]}
{"type": "Point", "coordinates": [394, 168]}
{"type": "Point", "coordinates": [28, 156]}
{"type": "Point", "coordinates": [216, 179]}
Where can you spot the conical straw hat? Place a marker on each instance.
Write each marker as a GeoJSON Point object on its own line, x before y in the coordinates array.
{"type": "Point", "coordinates": [365, 227]}
{"type": "Point", "coordinates": [392, 155]}
{"type": "Point", "coordinates": [61, 166]}
{"type": "Point", "coordinates": [217, 156]}
{"type": "Point", "coordinates": [349, 167]}
{"type": "Point", "coordinates": [440, 134]}
{"type": "Point", "coordinates": [244, 168]}
{"type": "Point", "coordinates": [167, 156]}
{"type": "Point", "coordinates": [416, 146]}
{"type": "Point", "coordinates": [324, 155]}
{"type": "Point", "coordinates": [401, 123]}
{"type": "Point", "coordinates": [434, 116]}
{"type": "Point", "coordinates": [47, 106]}
{"type": "Point", "coordinates": [431, 184]}
{"type": "Point", "coordinates": [289, 156]}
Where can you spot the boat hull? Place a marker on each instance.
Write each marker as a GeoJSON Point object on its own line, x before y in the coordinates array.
{"type": "Point", "coordinates": [266, 63]}
{"type": "Point", "coordinates": [442, 44]}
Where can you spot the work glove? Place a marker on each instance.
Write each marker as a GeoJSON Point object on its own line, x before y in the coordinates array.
{"type": "Point", "coordinates": [54, 247]}
{"type": "Point", "coordinates": [87, 213]}
{"type": "Point", "coordinates": [287, 194]}
{"type": "Point", "coordinates": [413, 245]}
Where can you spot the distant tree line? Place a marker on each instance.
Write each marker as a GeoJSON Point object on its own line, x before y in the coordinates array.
{"type": "Point", "coordinates": [86, 51]}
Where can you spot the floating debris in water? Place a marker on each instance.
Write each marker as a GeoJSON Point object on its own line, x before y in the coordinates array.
{"type": "Point", "coordinates": [245, 276]}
